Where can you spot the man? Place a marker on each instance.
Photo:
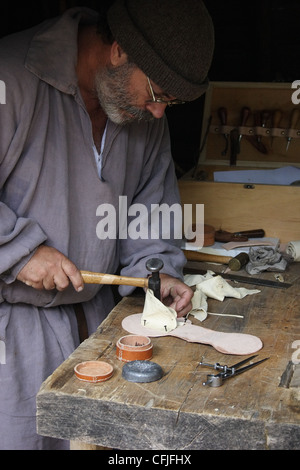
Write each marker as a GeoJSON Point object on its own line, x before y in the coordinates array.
{"type": "Point", "coordinates": [82, 125]}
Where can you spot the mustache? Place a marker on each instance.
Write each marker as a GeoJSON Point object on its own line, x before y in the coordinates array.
{"type": "Point", "coordinates": [137, 114]}
{"type": "Point", "coordinates": [115, 100]}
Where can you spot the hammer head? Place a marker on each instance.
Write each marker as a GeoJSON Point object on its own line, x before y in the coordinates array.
{"type": "Point", "coordinates": [240, 260]}
{"type": "Point", "coordinates": [154, 265]}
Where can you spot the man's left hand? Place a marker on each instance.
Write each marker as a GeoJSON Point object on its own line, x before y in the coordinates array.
{"type": "Point", "coordinates": [176, 294]}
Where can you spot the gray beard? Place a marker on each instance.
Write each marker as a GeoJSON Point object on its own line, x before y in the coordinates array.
{"type": "Point", "coordinates": [110, 87]}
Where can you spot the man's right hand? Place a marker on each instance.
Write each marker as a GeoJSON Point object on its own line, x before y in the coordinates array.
{"type": "Point", "coordinates": [50, 269]}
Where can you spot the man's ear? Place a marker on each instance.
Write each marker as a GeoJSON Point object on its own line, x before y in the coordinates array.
{"type": "Point", "coordinates": [117, 55]}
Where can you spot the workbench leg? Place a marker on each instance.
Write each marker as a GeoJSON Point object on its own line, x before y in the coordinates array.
{"type": "Point", "coordinates": [79, 445]}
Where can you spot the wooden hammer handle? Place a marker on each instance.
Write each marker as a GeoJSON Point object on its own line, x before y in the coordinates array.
{"type": "Point", "coordinates": [101, 278]}
{"type": "Point", "coordinates": [206, 257]}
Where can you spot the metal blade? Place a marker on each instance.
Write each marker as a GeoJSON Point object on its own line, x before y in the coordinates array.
{"type": "Point", "coordinates": [258, 145]}
{"type": "Point", "coordinates": [256, 281]}
{"type": "Point", "coordinates": [235, 366]}
{"type": "Point", "coordinates": [240, 371]}
{"type": "Point", "coordinates": [244, 279]}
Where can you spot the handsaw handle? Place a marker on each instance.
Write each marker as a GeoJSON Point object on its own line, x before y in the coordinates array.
{"type": "Point", "coordinates": [103, 278]}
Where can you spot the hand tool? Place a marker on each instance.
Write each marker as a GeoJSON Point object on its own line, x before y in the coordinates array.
{"type": "Point", "coordinates": [242, 236]}
{"type": "Point", "coordinates": [265, 116]}
{"type": "Point", "coordinates": [245, 113]}
{"type": "Point", "coordinates": [240, 260]}
{"type": "Point", "coordinates": [242, 279]}
{"type": "Point", "coordinates": [222, 113]}
{"type": "Point", "coordinates": [234, 146]}
{"type": "Point", "coordinates": [257, 123]}
{"type": "Point", "coordinates": [293, 122]}
{"type": "Point", "coordinates": [276, 118]}
{"type": "Point", "coordinates": [256, 140]}
{"type": "Point", "coordinates": [257, 144]}
{"type": "Point", "coordinates": [154, 265]}
{"type": "Point", "coordinates": [228, 372]}
{"type": "Point", "coordinates": [206, 257]}
{"type": "Point", "coordinates": [234, 263]}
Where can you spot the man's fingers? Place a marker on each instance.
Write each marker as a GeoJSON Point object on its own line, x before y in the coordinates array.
{"type": "Point", "coordinates": [73, 274]}
{"type": "Point", "coordinates": [49, 269]}
{"type": "Point", "coordinates": [183, 303]}
{"type": "Point", "coordinates": [177, 295]}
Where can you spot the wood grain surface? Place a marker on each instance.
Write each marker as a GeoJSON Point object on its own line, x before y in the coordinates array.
{"type": "Point", "coordinates": [235, 207]}
{"type": "Point", "coordinates": [259, 409]}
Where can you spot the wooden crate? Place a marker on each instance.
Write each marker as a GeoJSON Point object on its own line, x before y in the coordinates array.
{"type": "Point", "coordinates": [234, 207]}
{"type": "Point", "coordinates": [243, 206]}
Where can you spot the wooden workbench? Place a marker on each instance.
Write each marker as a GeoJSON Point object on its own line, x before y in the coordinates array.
{"type": "Point", "coordinates": [259, 409]}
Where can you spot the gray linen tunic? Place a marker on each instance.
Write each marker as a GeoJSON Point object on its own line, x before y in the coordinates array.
{"type": "Point", "coordinates": [49, 193]}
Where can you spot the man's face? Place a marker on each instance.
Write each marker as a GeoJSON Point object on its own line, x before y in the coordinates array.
{"type": "Point", "coordinates": [115, 93]}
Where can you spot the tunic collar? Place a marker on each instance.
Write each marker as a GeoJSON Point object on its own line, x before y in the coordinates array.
{"type": "Point", "coordinates": [52, 54]}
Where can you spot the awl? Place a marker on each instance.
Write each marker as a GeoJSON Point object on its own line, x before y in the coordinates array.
{"type": "Point", "coordinates": [222, 112]}
{"type": "Point", "coordinates": [256, 140]}
{"type": "Point", "coordinates": [244, 118]}
{"type": "Point", "coordinates": [293, 122]}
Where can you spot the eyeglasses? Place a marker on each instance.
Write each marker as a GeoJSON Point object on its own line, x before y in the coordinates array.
{"type": "Point", "coordinates": [156, 99]}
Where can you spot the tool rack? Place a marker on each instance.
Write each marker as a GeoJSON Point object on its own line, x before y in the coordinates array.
{"type": "Point", "coordinates": [272, 119]}
{"type": "Point", "coordinates": [245, 206]}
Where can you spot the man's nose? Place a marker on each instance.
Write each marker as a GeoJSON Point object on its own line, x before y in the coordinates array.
{"type": "Point", "coordinates": [156, 109]}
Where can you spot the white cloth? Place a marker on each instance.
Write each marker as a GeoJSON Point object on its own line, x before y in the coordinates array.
{"type": "Point", "coordinates": [156, 315]}
{"type": "Point", "coordinates": [293, 250]}
{"type": "Point", "coordinates": [214, 287]}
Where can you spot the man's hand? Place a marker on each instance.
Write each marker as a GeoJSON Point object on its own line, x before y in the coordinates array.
{"type": "Point", "coordinates": [176, 294]}
{"type": "Point", "coordinates": [50, 269]}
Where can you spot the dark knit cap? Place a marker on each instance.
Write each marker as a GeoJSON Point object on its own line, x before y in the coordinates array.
{"type": "Point", "coordinates": [171, 41]}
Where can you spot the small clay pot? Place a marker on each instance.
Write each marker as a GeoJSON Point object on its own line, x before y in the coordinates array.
{"type": "Point", "coordinates": [93, 371]}
{"type": "Point", "coordinates": [134, 347]}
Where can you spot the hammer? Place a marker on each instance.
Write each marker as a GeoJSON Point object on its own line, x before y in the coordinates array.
{"type": "Point", "coordinates": [154, 265]}
{"type": "Point", "coordinates": [234, 263]}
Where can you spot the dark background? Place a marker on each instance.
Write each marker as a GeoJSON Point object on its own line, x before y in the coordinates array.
{"type": "Point", "coordinates": [256, 41]}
